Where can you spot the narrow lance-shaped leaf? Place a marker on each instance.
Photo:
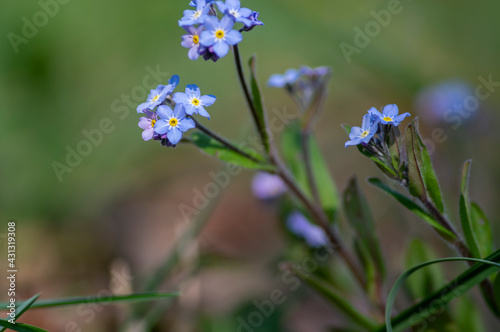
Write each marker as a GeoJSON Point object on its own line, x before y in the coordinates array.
{"type": "Point", "coordinates": [257, 101]}
{"type": "Point", "coordinates": [332, 295]}
{"type": "Point", "coordinates": [428, 280]}
{"type": "Point", "coordinates": [481, 229]}
{"type": "Point", "coordinates": [429, 175]}
{"type": "Point", "coordinates": [23, 308]}
{"type": "Point", "coordinates": [465, 211]}
{"type": "Point", "coordinates": [211, 146]}
{"type": "Point", "coordinates": [140, 297]}
{"type": "Point", "coordinates": [291, 146]}
{"type": "Point", "coordinates": [19, 327]}
{"type": "Point", "coordinates": [360, 218]}
{"type": "Point", "coordinates": [415, 164]}
{"type": "Point", "coordinates": [413, 207]}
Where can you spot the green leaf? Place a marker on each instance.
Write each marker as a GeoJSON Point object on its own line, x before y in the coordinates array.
{"type": "Point", "coordinates": [141, 297]}
{"type": "Point", "coordinates": [428, 280]}
{"type": "Point", "coordinates": [420, 311]}
{"type": "Point", "coordinates": [360, 218]}
{"type": "Point", "coordinates": [429, 175]}
{"type": "Point", "coordinates": [413, 207]}
{"type": "Point", "coordinates": [465, 211]}
{"type": "Point", "coordinates": [23, 308]}
{"type": "Point", "coordinates": [291, 142]}
{"type": "Point", "coordinates": [214, 148]}
{"type": "Point", "coordinates": [257, 100]}
{"type": "Point", "coordinates": [496, 288]}
{"type": "Point", "coordinates": [415, 164]}
{"type": "Point", "coordinates": [481, 229]}
{"type": "Point", "coordinates": [19, 327]}
{"type": "Point", "coordinates": [326, 290]}
{"type": "Point", "coordinates": [467, 316]}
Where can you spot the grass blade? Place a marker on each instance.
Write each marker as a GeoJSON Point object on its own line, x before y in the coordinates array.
{"type": "Point", "coordinates": [23, 308]}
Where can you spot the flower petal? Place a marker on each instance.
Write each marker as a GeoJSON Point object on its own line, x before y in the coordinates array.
{"type": "Point", "coordinates": [390, 110]}
{"type": "Point", "coordinates": [161, 127]}
{"type": "Point", "coordinates": [192, 90]}
{"type": "Point", "coordinates": [165, 112]}
{"type": "Point", "coordinates": [203, 112]}
{"type": "Point", "coordinates": [186, 124]}
{"type": "Point", "coordinates": [194, 53]}
{"type": "Point", "coordinates": [355, 132]}
{"type": "Point", "coordinates": [401, 117]}
{"type": "Point", "coordinates": [181, 97]}
{"type": "Point", "coordinates": [211, 23]}
{"type": "Point", "coordinates": [174, 135]}
{"type": "Point", "coordinates": [148, 134]}
{"type": "Point", "coordinates": [208, 100]}
{"type": "Point", "coordinates": [142, 107]}
{"type": "Point", "coordinates": [207, 38]}
{"type": "Point", "coordinates": [144, 123]}
{"type": "Point", "coordinates": [353, 142]}
{"type": "Point", "coordinates": [233, 4]}
{"type": "Point", "coordinates": [179, 112]}
{"type": "Point", "coordinates": [221, 49]}
{"type": "Point", "coordinates": [245, 12]}
{"type": "Point", "coordinates": [233, 37]}
{"type": "Point", "coordinates": [226, 23]}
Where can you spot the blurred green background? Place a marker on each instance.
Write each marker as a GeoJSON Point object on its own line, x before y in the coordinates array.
{"type": "Point", "coordinates": [122, 200]}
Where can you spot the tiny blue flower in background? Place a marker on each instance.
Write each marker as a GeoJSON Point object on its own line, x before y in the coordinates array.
{"type": "Point", "coordinates": [279, 81]}
{"type": "Point", "coordinates": [233, 9]}
{"type": "Point", "coordinates": [173, 123]}
{"type": "Point", "coordinates": [267, 186]}
{"type": "Point", "coordinates": [364, 133]}
{"type": "Point", "coordinates": [193, 17]}
{"type": "Point", "coordinates": [193, 101]}
{"type": "Point", "coordinates": [314, 235]}
{"type": "Point", "coordinates": [389, 115]}
{"type": "Point", "coordinates": [157, 96]}
{"type": "Point", "coordinates": [254, 18]}
{"type": "Point", "coordinates": [220, 35]}
{"type": "Point", "coordinates": [192, 41]}
{"type": "Point", "coordinates": [436, 102]}
{"type": "Point", "coordinates": [314, 72]}
{"type": "Point", "coordinates": [147, 123]}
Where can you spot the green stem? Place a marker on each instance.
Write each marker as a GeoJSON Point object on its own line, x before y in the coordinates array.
{"type": "Point", "coordinates": [224, 141]}
{"type": "Point", "coordinates": [248, 97]}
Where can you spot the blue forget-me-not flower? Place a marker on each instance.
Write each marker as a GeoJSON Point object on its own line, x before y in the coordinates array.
{"type": "Point", "coordinates": [193, 101]}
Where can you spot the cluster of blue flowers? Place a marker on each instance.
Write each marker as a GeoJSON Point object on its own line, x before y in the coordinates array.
{"type": "Point", "coordinates": [210, 37]}
{"type": "Point", "coordinates": [161, 122]}
{"type": "Point", "coordinates": [373, 123]}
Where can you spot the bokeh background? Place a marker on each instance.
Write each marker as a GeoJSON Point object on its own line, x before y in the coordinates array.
{"type": "Point", "coordinates": [118, 210]}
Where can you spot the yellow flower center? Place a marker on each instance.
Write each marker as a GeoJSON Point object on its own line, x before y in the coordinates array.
{"type": "Point", "coordinates": [155, 98]}
{"type": "Point", "coordinates": [364, 133]}
{"type": "Point", "coordinates": [195, 101]}
{"type": "Point", "coordinates": [173, 122]}
{"type": "Point", "coordinates": [220, 34]}
{"type": "Point", "coordinates": [387, 118]}
{"type": "Point", "coordinates": [196, 39]}
{"type": "Point", "coordinates": [153, 123]}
